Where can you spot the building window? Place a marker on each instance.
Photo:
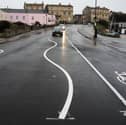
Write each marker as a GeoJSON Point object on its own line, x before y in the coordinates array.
{"type": "Point", "coordinates": [16, 17]}
{"type": "Point", "coordinates": [69, 13]}
{"type": "Point", "coordinates": [23, 17]}
{"type": "Point", "coordinates": [64, 13]}
{"type": "Point", "coordinates": [49, 20]}
{"type": "Point", "coordinates": [11, 17]}
{"type": "Point", "coordinates": [32, 18]}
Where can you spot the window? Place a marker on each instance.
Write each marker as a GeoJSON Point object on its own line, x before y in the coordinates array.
{"type": "Point", "coordinates": [16, 17]}
{"type": "Point", "coordinates": [11, 17]}
{"type": "Point", "coordinates": [69, 13]}
{"type": "Point", "coordinates": [32, 18]}
{"type": "Point", "coordinates": [64, 13]}
{"type": "Point", "coordinates": [23, 17]}
{"type": "Point", "coordinates": [49, 20]}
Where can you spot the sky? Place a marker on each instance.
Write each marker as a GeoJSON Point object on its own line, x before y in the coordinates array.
{"type": "Point", "coordinates": [79, 5]}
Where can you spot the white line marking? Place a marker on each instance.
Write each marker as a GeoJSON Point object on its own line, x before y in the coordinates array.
{"type": "Point", "coordinates": [65, 109]}
{"type": "Point", "coordinates": [52, 119]}
{"type": "Point", "coordinates": [121, 77]}
{"type": "Point", "coordinates": [120, 97]}
{"type": "Point", "coordinates": [1, 51]}
{"type": "Point", "coordinates": [71, 118]}
{"type": "Point", "coordinates": [124, 113]}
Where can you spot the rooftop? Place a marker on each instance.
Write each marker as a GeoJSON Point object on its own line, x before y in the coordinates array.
{"type": "Point", "coordinates": [98, 7]}
{"type": "Point", "coordinates": [119, 17]}
{"type": "Point", "coordinates": [8, 10]}
{"type": "Point", "coordinates": [34, 3]}
{"type": "Point", "coordinates": [62, 5]}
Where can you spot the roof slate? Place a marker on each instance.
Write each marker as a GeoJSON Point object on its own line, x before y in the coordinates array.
{"type": "Point", "coordinates": [8, 10]}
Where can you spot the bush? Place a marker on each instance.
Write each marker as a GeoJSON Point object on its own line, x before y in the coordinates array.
{"type": "Point", "coordinates": [4, 25]}
{"type": "Point", "coordinates": [8, 29]}
{"type": "Point", "coordinates": [104, 23]}
{"type": "Point", "coordinates": [20, 25]}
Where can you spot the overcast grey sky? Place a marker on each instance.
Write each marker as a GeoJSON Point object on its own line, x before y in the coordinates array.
{"type": "Point", "coordinates": [115, 5]}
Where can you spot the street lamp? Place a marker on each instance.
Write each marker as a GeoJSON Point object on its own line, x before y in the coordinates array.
{"type": "Point", "coordinates": [95, 19]}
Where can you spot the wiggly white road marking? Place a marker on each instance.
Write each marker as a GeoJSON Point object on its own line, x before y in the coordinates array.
{"type": "Point", "coordinates": [124, 113]}
{"type": "Point", "coordinates": [121, 77]}
{"type": "Point", "coordinates": [65, 109]}
{"type": "Point", "coordinates": [120, 97]}
{"type": "Point", "coordinates": [1, 51]}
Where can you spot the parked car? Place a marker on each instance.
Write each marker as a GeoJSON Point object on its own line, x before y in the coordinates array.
{"type": "Point", "coordinates": [113, 34]}
{"type": "Point", "coordinates": [57, 31]}
{"type": "Point", "coordinates": [116, 34]}
{"type": "Point", "coordinates": [62, 26]}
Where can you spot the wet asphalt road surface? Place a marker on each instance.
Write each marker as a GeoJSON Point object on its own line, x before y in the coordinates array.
{"type": "Point", "coordinates": [32, 89]}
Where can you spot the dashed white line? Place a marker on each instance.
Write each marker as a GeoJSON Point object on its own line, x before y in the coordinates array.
{"type": "Point", "coordinates": [65, 109]}
{"type": "Point", "coordinates": [1, 51]}
{"type": "Point", "coordinates": [120, 97]}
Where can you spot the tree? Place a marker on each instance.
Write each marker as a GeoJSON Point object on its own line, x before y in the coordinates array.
{"type": "Point", "coordinates": [104, 23]}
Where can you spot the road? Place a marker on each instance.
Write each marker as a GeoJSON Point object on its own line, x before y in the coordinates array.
{"type": "Point", "coordinates": [61, 81]}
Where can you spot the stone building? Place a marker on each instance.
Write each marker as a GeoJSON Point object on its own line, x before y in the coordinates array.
{"type": "Point", "coordinates": [64, 13]}
{"type": "Point", "coordinates": [3, 15]}
{"type": "Point", "coordinates": [34, 6]}
{"type": "Point", "coordinates": [78, 19]}
{"type": "Point", "coordinates": [101, 14]}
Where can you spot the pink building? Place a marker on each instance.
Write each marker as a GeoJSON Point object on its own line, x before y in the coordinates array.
{"type": "Point", "coordinates": [27, 16]}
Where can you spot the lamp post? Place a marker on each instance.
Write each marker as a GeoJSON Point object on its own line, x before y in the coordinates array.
{"type": "Point", "coordinates": [95, 24]}
{"type": "Point", "coordinates": [95, 19]}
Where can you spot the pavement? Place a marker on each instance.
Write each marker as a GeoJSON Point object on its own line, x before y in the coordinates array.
{"type": "Point", "coordinates": [63, 81]}
{"type": "Point", "coordinates": [117, 43]}
{"type": "Point", "coordinates": [87, 31]}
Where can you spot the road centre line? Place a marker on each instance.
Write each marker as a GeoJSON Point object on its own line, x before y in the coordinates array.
{"type": "Point", "coordinates": [1, 51]}
{"type": "Point", "coordinates": [120, 97]}
{"type": "Point", "coordinates": [65, 109]}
